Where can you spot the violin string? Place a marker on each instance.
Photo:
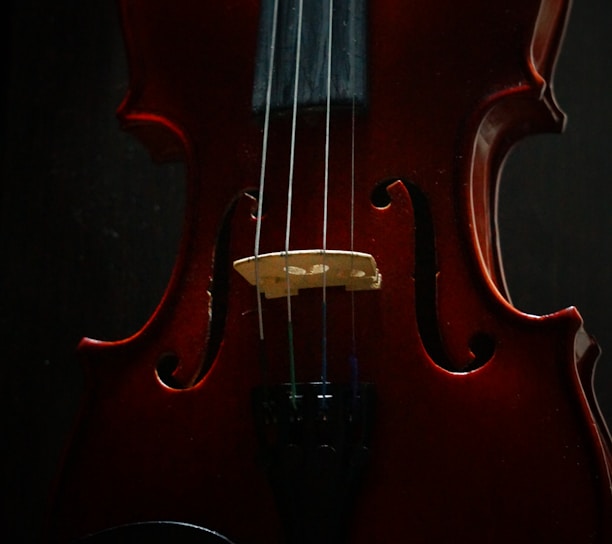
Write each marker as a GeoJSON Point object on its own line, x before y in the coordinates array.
{"type": "Point", "coordinates": [290, 203]}
{"type": "Point", "coordinates": [262, 174]}
{"type": "Point", "coordinates": [325, 204]}
{"type": "Point", "coordinates": [353, 362]}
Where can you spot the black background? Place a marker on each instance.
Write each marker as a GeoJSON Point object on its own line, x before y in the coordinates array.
{"type": "Point", "coordinates": [90, 227]}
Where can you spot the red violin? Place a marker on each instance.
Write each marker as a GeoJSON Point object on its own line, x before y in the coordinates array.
{"type": "Point", "coordinates": [336, 359]}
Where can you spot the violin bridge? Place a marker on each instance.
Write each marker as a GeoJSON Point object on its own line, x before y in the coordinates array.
{"type": "Point", "coordinates": [283, 272]}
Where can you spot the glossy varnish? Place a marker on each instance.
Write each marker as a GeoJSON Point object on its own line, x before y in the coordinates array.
{"type": "Point", "coordinates": [485, 426]}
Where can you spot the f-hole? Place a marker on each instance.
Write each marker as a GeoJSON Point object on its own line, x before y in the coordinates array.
{"type": "Point", "coordinates": [168, 362]}
{"type": "Point", "coordinates": [481, 344]}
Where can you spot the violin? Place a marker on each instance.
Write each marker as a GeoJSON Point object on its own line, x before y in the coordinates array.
{"type": "Point", "coordinates": [336, 358]}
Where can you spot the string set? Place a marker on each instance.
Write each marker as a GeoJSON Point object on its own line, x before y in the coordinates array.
{"type": "Point", "coordinates": [290, 182]}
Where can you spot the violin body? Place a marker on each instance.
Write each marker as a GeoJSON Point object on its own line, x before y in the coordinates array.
{"type": "Point", "coordinates": [481, 424]}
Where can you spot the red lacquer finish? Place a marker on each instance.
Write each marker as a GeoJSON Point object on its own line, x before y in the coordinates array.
{"type": "Point", "coordinates": [512, 451]}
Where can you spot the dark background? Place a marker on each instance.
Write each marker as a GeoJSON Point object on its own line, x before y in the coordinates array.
{"type": "Point", "coordinates": [89, 227]}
